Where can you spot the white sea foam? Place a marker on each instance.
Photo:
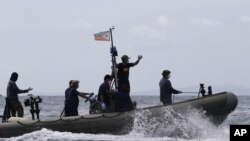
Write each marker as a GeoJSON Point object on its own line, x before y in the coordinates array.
{"type": "Point", "coordinates": [192, 125]}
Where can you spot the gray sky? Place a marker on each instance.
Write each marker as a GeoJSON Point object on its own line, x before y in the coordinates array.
{"type": "Point", "coordinates": [50, 42]}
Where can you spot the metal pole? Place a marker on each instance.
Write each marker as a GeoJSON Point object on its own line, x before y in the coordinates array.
{"type": "Point", "coordinates": [111, 36]}
{"type": "Point", "coordinates": [113, 59]}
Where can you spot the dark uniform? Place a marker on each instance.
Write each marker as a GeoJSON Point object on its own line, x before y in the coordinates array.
{"type": "Point", "coordinates": [12, 98]}
{"type": "Point", "coordinates": [71, 98]}
{"type": "Point", "coordinates": [123, 102]}
{"type": "Point", "coordinates": [104, 92]}
{"type": "Point", "coordinates": [123, 71]}
{"type": "Point", "coordinates": [166, 89]}
{"type": "Point", "coordinates": [71, 102]}
{"type": "Point", "coordinates": [123, 74]}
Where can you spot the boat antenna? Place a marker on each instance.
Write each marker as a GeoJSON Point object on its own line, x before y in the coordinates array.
{"type": "Point", "coordinates": [114, 53]}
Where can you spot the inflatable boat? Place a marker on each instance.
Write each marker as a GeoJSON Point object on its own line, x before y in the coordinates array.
{"type": "Point", "coordinates": [216, 107]}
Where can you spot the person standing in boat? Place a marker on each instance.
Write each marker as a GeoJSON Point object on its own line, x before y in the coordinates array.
{"type": "Point", "coordinates": [103, 93]}
{"type": "Point", "coordinates": [166, 89]}
{"type": "Point", "coordinates": [123, 101]}
{"type": "Point", "coordinates": [66, 110]}
{"type": "Point", "coordinates": [12, 92]}
{"type": "Point", "coordinates": [123, 71]}
{"type": "Point", "coordinates": [72, 100]}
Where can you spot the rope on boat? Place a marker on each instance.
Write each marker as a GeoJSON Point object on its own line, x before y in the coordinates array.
{"type": "Point", "coordinates": [27, 124]}
{"type": "Point", "coordinates": [113, 116]}
{"type": "Point", "coordinates": [49, 121]}
{"type": "Point", "coordinates": [82, 117]}
{"type": "Point", "coordinates": [70, 120]}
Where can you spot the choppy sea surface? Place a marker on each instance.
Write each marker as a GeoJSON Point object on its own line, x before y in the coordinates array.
{"type": "Point", "coordinates": [194, 127]}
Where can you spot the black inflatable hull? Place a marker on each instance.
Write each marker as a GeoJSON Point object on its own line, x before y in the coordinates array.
{"type": "Point", "coordinates": [217, 107]}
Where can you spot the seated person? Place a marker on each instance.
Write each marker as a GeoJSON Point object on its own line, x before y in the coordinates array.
{"type": "Point", "coordinates": [103, 93]}
{"type": "Point", "coordinates": [123, 101]}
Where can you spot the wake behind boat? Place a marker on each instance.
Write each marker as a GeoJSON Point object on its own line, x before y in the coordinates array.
{"type": "Point", "coordinates": [216, 107]}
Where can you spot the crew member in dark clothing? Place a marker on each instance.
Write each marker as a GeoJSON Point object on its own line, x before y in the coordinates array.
{"type": "Point", "coordinates": [66, 107]}
{"type": "Point", "coordinates": [68, 89]}
{"type": "Point", "coordinates": [12, 92]}
{"type": "Point", "coordinates": [123, 101]}
{"type": "Point", "coordinates": [72, 100]}
{"type": "Point", "coordinates": [103, 93]}
{"type": "Point", "coordinates": [166, 89]}
{"type": "Point", "coordinates": [123, 71]}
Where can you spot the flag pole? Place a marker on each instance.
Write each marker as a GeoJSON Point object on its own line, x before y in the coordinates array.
{"type": "Point", "coordinates": [113, 52]}
{"type": "Point", "coordinates": [111, 36]}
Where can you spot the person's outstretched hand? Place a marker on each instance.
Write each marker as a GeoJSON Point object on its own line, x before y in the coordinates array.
{"type": "Point", "coordinates": [30, 89]}
{"type": "Point", "coordinates": [139, 57]}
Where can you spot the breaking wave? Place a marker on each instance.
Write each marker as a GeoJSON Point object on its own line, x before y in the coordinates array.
{"type": "Point", "coordinates": [191, 125]}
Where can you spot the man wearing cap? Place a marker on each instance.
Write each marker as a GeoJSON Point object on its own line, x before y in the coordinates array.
{"type": "Point", "coordinates": [166, 89]}
{"type": "Point", "coordinates": [123, 71]}
{"type": "Point", "coordinates": [71, 98]}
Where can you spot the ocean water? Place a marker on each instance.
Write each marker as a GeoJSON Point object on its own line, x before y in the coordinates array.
{"type": "Point", "coordinates": [190, 127]}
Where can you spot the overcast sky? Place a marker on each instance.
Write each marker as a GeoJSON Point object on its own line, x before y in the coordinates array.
{"type": "Point", "coordinates": [50, 42]}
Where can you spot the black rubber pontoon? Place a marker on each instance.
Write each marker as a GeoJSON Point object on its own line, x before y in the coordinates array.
{"type": "Point", "coordinates": [217, 107]}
